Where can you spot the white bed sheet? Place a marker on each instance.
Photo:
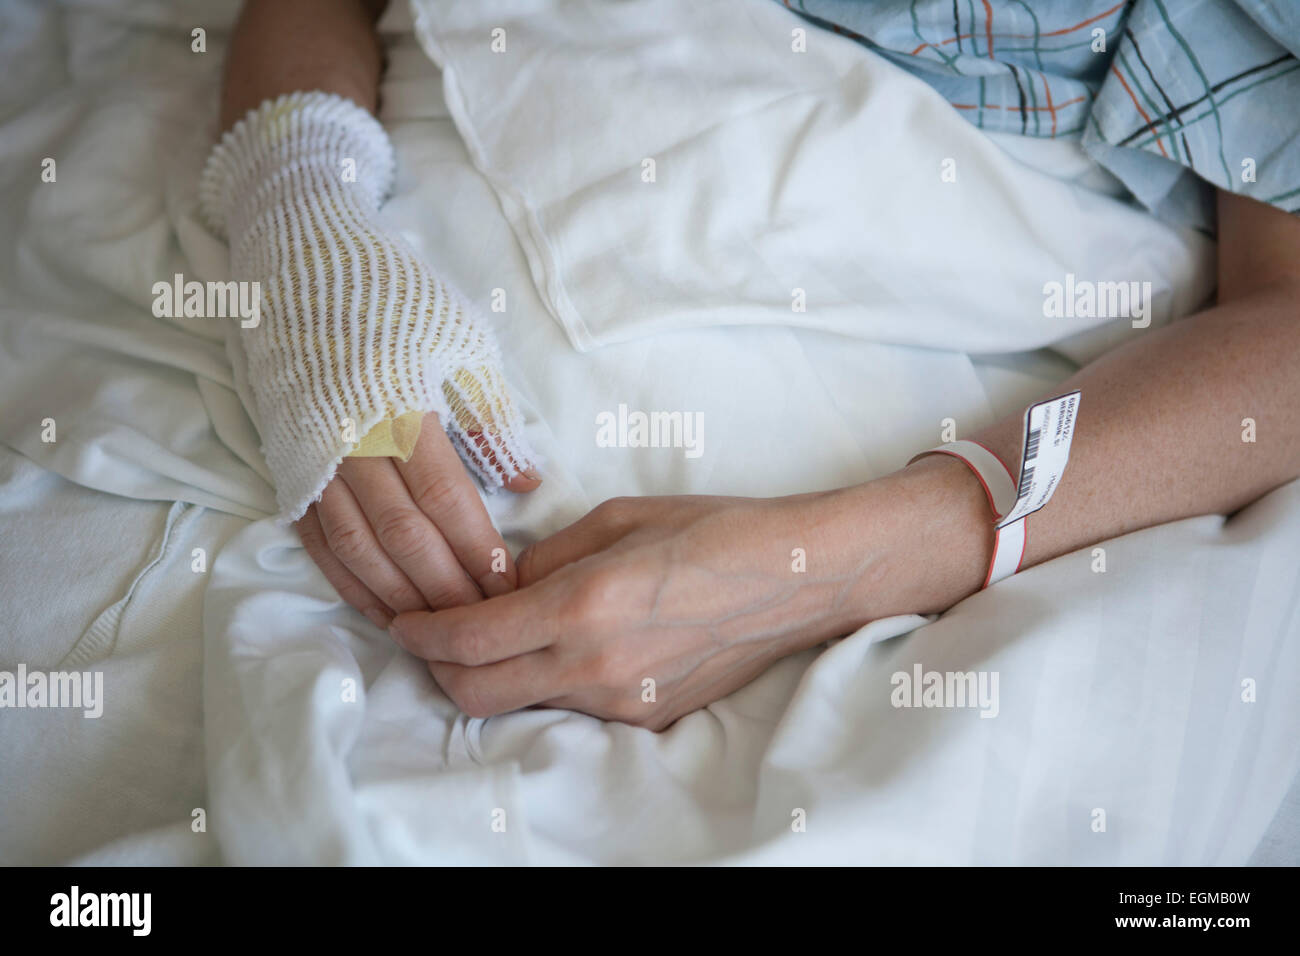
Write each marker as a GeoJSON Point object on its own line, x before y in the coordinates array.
{"type": "Point", "coordinates": [670, 164]}
{"type": "Point", "coordinates": [1126, 697]}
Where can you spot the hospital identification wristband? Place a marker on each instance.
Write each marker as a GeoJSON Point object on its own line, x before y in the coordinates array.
{"type": "Point", "coordinates": [1049, 430]}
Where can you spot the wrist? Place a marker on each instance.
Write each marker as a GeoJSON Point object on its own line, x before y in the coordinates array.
{"type": "Point", "coordinates": [932, 529]}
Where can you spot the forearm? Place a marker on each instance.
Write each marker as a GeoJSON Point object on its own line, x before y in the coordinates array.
{"type": "Point", "coordinates": [1160, 430]}
{"type": "Point", "coordinates": [361, 337]}
{"type": "Point", "coordinates": [1159, 436]}
{"type": "Point", "coordinates": [285, 46]}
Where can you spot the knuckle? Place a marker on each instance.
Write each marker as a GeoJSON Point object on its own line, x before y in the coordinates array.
{"type": "Point", "coordinates": [596, 596]}
{"type": "Point", "coordinates": [404, 597]}
{"type": "Point", "coordinates": [441, 595]}
{"type": "Point", "coordinates": [349, 542]}
{"type": "Point", "coordinates": [606, 672]}
{"type": "Point", "coordinates": [614, 511]}
{"type": "Point", "coordinates": [469, 646]}
{"type": "Point", "coordinates": [437, 492]}
{"type": "Point", "coordinates": [402, 533]}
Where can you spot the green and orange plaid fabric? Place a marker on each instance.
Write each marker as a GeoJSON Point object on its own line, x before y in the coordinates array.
{"type": "Point", "coordinates": [1173, 97]}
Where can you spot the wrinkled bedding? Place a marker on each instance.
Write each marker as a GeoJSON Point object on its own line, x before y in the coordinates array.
{"type": "Point", "coordinates": [1119, 691]}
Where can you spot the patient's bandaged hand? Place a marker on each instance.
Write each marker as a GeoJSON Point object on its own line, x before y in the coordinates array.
{"type": "Point", "coordinates": [356, 330]}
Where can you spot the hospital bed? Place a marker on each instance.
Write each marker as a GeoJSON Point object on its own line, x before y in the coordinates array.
{"type": "Point", "coordinates": [140, 543]}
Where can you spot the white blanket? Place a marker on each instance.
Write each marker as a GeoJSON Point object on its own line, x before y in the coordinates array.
{"type": "Point", "coordinates": [1119, 691]}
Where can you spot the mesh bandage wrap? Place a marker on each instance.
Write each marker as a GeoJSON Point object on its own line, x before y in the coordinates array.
{"type": "Point", "coordinates": [355, 328]}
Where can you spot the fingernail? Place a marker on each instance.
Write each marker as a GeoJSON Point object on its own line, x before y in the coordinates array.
{"type": "Point", "coordinates": [532, 473]}
{"type": "Point", "coordinates": [380, 619]}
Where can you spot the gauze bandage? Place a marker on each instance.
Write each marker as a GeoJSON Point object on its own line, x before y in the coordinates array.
{"type": "Point", "coordinates": [356, 331]}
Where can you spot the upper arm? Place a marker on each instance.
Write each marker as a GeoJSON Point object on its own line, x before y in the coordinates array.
{"type": "Point", "coordinates": [1259, 245]}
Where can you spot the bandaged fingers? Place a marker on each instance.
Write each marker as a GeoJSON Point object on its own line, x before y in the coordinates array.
{"type": "Point", "coordinates": [357, 323]}
{"type": "Point", "coordinates": [444, 492]}
{"type": "Point", "coordinates": [348, 585]}
{"type": "Point", "coordinates": [395, 536]}
{"type": "Point", "coordinates": [481, 409]}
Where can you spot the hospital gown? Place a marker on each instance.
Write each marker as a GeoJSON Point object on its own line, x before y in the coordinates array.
{"type": "Point", "coordinates": [1173, 97]}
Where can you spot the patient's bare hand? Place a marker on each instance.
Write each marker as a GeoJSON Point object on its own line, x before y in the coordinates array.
{"type": "Point", "coordinates": [697, 594]}
{"type": "Point", "coordinates": [701, 594]}
{"type": "Point", "coordinates": [395, 536]}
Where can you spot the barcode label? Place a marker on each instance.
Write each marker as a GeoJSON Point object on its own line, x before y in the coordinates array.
{"type": "Point", "coordinates": [1031, 446]}
{"type": "Point", "coordinates": [1026, 482]}
{"type": "Point", "coordinates": [1049, 430]}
